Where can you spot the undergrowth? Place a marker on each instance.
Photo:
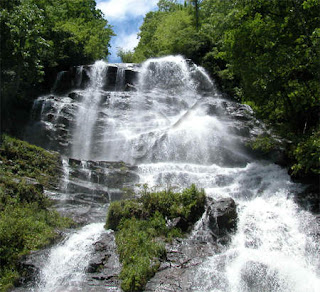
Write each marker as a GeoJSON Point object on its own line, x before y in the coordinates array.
{"type": "Point", "coordinates": [26, 222]}
{"type": "Point", "coordinates": [143, 226]}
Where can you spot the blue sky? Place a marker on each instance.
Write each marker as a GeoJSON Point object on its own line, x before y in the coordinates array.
{"type": "Point", "coordinates": [126, 16]}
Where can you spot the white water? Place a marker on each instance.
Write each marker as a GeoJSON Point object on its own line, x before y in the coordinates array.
{"type": "Point", "coordinates": [87, 112]}
{"type": "Point", "coordinates": [178, 136]}
{"type": "Point", "coordinates": [66, 265]}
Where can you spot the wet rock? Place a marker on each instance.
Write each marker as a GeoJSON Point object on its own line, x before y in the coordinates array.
{"type": "Point", "coordinates": [309, 199]}
{"type": "Point", "coordinates": [185, 255]}
{"type": "Point", "coordinates": [29, 268]}
{"type": "Point", "coordinates": [63, 82]}
{"type": "Point", "coordinates": [178, 222]}
{"type": "Point", "coordinates": [131, 76]}
{"type": "Point", "coordinates": [84, 79]}
{"type": "Point", "coordinates": [258, 276]}
{"type": "Point", "coordinates": [222, 217]}
{"type": "Point", "coordinates": [104, 267]}
{"type": "Point", "coordinates": [28, 271]}
{"type": "Point", "coordinates": [50, 117]}
{"type": "Point", "coordinates": [111, 78]}
{"type": "Point", "coordinates": [75, 96]}
{"type": "Point", "coordinates": [183, 258]}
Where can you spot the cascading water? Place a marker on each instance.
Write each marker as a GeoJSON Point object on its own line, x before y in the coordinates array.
{"type": "Point", "coordinates": [65, 269]}
{"type": "Point", "coordinates": [178, 130]}
{"type": "Point", "coordinates": [87, 112]}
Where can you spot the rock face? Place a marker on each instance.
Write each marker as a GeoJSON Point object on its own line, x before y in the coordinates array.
{"type": "Point", "coordinates": [222, 217]}
{"type": "Point", "coordinates": [88, 186]}
{"type": "Point", "coordinates": [104, 267]}
{"type": "Point", "coordinates": [309, 199]}
{"type": "Point", "coordinates": [53, 117]}
{"type": "Point", "coordinates": [78, 78]}
{"type": "Point", "coordinates": [184, 255]}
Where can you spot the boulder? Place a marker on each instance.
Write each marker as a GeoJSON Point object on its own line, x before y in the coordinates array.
{"type": "Point", "coordinates": [222, 217]}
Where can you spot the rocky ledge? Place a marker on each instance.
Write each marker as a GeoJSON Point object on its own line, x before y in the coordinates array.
{"type": "Point", "coordinates": [209, 236]}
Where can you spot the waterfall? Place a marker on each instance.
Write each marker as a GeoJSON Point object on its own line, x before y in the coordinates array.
{"type": "Point", "coordinates": [120, 80]}
{"type": "Point", "coordinates": [177, 129]}
{"type": "Point", "coordinates": [87, 113]}
{"type": "Point", "coordinates": [66, 265]}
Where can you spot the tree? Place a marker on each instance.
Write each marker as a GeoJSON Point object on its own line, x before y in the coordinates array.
{"type": "Point", "coordinates": [39, 37]}
{"type": "Point", "coordinates": [126, 56]}
{"type": "Point", "coordinates": [168, 5]}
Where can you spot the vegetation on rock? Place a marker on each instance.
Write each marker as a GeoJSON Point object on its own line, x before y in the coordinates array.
{"type": "Point", "coordinates": [143, 225]}
{"type": "Point", "coordinates": [266, 53]}
{"type": "Point", "coordinates": [26, 222]}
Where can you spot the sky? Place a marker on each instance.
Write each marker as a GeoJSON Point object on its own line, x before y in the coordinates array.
{"type": "Point", "coordinates": [126, 16]}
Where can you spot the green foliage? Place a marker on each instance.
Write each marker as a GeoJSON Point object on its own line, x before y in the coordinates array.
{"type": "Point", "coordinates": [139, 250]}
{"type": "Point", "coordinates": [265, 143]}
{"type": "Point", "coordinates": [25, 160]}
{"type": "Point", "coordinates": [307, 155]}
{"type": "Point", "coordinates": [39, 37]}
{"type": "Point", "coordinates": [141, 229]}
{"type": "Point", "coordinates": [169, 5]}
{"type": "Point", "coordinates": [26, 223]}
{"type": "Point", "coordinates": [25, 227]}
{"type": "Point", "coordinates": [123, 209]}
{"type": "Point", "coordinates": [126, 56]}
{"type": "Point", "coordinates": [170, 30]}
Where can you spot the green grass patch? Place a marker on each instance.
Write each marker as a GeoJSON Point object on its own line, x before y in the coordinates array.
{"type": "Point", "coordinates": [142, 229]}
{"type": "Point", "coordinates": [25, 160]}
{"type": "Point", "coordinates": [26, 222]}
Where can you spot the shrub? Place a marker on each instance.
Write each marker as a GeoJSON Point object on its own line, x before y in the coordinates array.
{"type": "Point", "coordinates": [26, 160]}
{"type": "Point", "coordinates": [26, 223]}
{"type": "Point", "coordinates": [307, 155]}
{"type": "Point", "coordinates": [141, 230]}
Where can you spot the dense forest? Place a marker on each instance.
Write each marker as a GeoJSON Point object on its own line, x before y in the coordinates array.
{"type": "Point", "coordinates": [265, 53]}
{"type": "Point", "coordinates": [40, 38]}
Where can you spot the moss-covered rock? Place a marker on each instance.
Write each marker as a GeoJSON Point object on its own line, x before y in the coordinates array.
{"type": "Point", "coordinates": [143, 225]}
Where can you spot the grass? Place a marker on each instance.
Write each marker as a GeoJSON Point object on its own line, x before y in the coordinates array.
{"type": "Point", "coordinates": [142, 229]}
{"type": "Point", "coordinates": [26, 222]}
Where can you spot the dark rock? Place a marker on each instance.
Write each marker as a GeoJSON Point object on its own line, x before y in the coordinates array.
{"type": "Point", "coordinates": [63, 82]}
{"type": "Point", "coordinates": [111, 78]}
{"type": "Point", "coordinates": [131, 76]}
{"type": "Point", "coordinates": [130, 87]}
{"type": "Point", "coordinates": [178, 223]}
{"type": "Point", "coordinates": [85, 79]}
{"type": "Point", "coordinates": [183, 258]}
{"type": "Point", "coordinates": [104, 267]}
{"type": "Point", "coordinates": [75, 96]}
{"type": "Point", "coordinates": [222, 217]}
{"type": "Point", "coordinates": [28, 270]}
{"type": "Point", "coordinates": [309, 199]}
{"type": "Point", "coordinates": [50, 117]}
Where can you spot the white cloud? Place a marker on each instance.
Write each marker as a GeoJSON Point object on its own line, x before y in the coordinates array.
{"type": "Point", "coordinates": [117, 10]}
{"type": "Point", "coordinates": [127, 42]}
